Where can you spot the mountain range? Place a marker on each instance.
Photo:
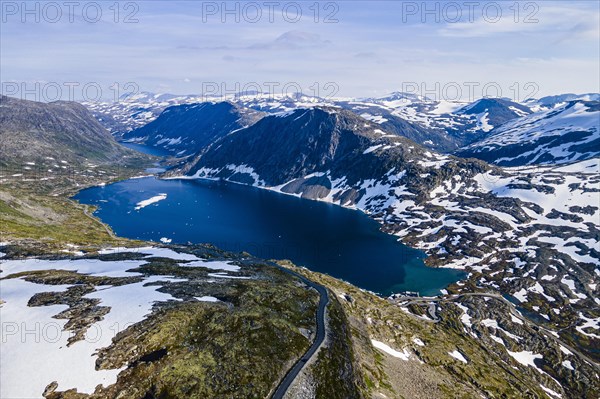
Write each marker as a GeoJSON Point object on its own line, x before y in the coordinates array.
{"type": "Point", "coordinates": [496, 130]}
{"type": "Point", "coordinates": [526, 238]}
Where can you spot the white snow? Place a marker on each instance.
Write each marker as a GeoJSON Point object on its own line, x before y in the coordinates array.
{"type": "Point", "coordinates": [526, 358]}
{"type": "Point", "coordinates": [458, 356]}
{"type": "Point", "coordinates": [224, 275]}
{"type": "Point", "coordinates": [207, 299]}
{"type": "Point", "coordinates": [149, 201]}
{"type": "Point", "coordinates": [465, 318]}
{"type": "Point", "coordinates": [34, 343]}
{"type": "Point", "coordinates": [404, 355]}
{"type": "Point", "coordinates": [551, 392]}
{"type": "Point", "coordinates": [215, 265]}
{"type": "Point", "coordinates": [39, 346]}
{"type": "Point", "coordinates": [567, 364]}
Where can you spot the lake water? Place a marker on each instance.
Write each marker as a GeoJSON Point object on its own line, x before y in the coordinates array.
{"type": "Point", "coordinates": [323, 237]}
{"type": "Point", "coordinates": [146, 149]}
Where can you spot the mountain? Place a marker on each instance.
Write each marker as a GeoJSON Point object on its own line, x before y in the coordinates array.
{"type": "Point", "coordinates": [58, 132]}
{"type": "Point", "coordinates": [400, 117]}
{"type": "Point", "coordinates": [493, 112]}
{"type": "Point", "coordinates": [507, 228]}
{"type": "Point", "coordinates": [185, 129]}
{"type": "Point", "coordinates": [281, 148]}
{"type": "Point", "coordinates": [567, 133]}
{"type": "Point", "coordinates": [279, 103]}
{"type": "Point", "coordinates": [134, 110]}
{"type": "Point", "coordinates": [549, 102]}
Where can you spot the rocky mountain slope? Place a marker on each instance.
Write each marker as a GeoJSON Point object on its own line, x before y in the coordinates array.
{"type": "Point", "coordinates": [52, 148]}
{"type": "Point", "coordinates": [134, 110]}
{"type": "Point", "coordinates": [548, 102]}
{"type": "Point", "coordinates": [186, 129]}
{"type": "Point", "coordinates": [200, 322]}
{"type": "Point", "coordinates": [441, 125]}
{"type": "Point", "coordinates": [62, 132]}
{"type": "Point", "coordinates": [568, 133]}
{"type": "Point", "coordinates": [529, 234]}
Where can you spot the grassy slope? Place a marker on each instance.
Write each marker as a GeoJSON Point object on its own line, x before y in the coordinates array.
{"type": "Point", "coordinates": [38, 213]}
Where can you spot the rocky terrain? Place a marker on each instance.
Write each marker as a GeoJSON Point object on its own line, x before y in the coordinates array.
{"type": "Point", "coordinates": [150, 322]}
{"type": "Point", "coordinates": [437, 124]}
{"type": "Point", "coordinates": [194, 321]}
{"type": "Point", "coordinates": [46, 147]}
{"type": "Point", "coordinates": [186, 129]}
{"type": "Point", "coordinates": [62, 132]}
{"type": "Point", "coordinates": [530, 234]}
{"type": "Point", "coordinates": [567, 133]}
{"type": "Point", "coordinates": [134, 110]}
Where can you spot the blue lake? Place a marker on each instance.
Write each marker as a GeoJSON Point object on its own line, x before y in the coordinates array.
{"type": "Point", "coordinates": [146, 149]}
{"type": "Point", "coordinates": [323, 237]}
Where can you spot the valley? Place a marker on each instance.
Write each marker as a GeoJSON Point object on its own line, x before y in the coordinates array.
{"type": "Point", "coordinates": [518, 247]}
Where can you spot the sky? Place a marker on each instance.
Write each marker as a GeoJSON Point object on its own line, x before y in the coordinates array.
{"type": "Point", "coordinates": [442, 49]}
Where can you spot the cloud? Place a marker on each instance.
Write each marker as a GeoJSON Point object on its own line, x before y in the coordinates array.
{"type": "Point", "coordinates": [366, 55]}
{"type": "Point", "coordinates": [293, 40]}
{"type": "Point", "coordinates": [569, 23]}
{"type": "Point", "coordinates": [231, 58]}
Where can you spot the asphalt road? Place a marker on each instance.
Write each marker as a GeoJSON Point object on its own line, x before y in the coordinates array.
{"type": "Point", "coordinates": [292, 373]}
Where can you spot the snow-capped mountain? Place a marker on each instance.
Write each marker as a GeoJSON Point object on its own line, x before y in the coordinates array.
{"type": "Point", "coordinates": [186, 129]}
{"type": "Point", "coordinates": [135, 110]}
{"type": "Point", "coordinates": [550, 102]}
{"type": "Point", "coordinates": [493, 112]}
{"type": "Point", "coordinates": [570, 132]}
{"type": "Point", "coordinates": [444, 126]}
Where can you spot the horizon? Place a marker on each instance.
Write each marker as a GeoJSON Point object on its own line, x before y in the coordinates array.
{"type": "Point", "coordinates": [215, 98]}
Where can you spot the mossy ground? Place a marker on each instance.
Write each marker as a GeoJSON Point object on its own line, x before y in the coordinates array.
{"type": "Point", "coordinates": [432, 371]}
{"type": "Point", "coordinates": [239, 347]}
{"type": "Point", "coordinates": [40, 216]}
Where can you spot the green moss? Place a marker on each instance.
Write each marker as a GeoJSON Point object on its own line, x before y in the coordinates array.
{"type": "Point", "coordinates": [239, 348]}
{"type": "Point", "coordinates": [335, 370]}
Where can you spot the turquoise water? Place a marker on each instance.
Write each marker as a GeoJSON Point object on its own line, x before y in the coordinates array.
{"type": "Point", "coordinates": [323, 237]}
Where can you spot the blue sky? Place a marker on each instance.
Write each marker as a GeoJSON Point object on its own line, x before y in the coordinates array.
{"type": "Point", "coordinates": [365, 48]}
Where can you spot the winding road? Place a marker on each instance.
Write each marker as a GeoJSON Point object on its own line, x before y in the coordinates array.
{"type": "Point", "coordinates": [292, 373]}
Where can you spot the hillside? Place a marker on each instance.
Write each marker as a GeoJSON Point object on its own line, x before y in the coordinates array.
{"type": "Point", "coordinates": [443, 126]}
{"type": "Point", "coordinates": [186, 129]}
{"type": "Point", "coordinates": [507, 228]}
{"type": "Point", "coordinates": [202, 322]}
{"type": "Point", "coordinates": [64, 131]}
{"type": "Point", "coordinates": [48, 151]}
{"type": "Point", "coordinates": [570, 132]}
